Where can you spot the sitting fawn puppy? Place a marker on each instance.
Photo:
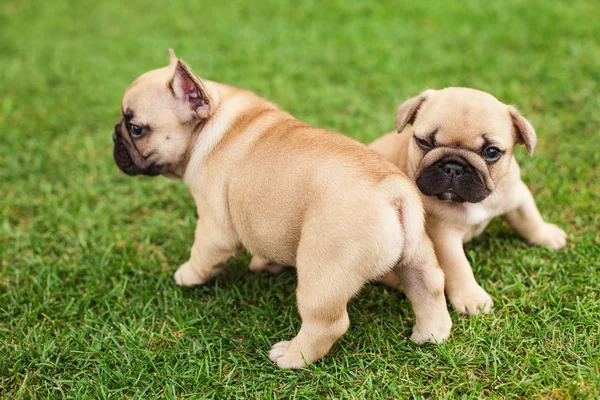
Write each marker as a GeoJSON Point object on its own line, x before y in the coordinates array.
{"type": "Point", "coordinates": [298, 195]}
{"type": "Point", "coordinates": [459, 150]}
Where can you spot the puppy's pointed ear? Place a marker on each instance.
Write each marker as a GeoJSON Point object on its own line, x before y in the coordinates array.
{"type": "Point", "coordinates": [172, 57]}
{"type": "Point", "coordinates": [195, 98]}
{"type": "Point", "coordinates": [523, 129]}
{"type": "Point", "coordinates": [407, 112]}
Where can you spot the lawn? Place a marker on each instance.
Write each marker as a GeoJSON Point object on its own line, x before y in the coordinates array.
{"type": "Point", "coordinates": [88, 308]}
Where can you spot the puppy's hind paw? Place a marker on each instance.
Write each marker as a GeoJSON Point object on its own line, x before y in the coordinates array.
{"type": "Point", "coordinates": [285, 355]}
{"type": "Point", "coordinates": [551, 236]}
{"type": "Point", "coordinates": [435, 334]}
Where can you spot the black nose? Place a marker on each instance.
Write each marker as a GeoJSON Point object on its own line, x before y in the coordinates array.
{"type": "Point", "coordinates": [453, 169]}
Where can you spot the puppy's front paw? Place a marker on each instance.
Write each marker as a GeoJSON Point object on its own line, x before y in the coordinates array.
{"type": "Point", "coordinates": [471, 300]}
{"type": "Point", "coordinates": [258, 264]}
{"type": "Point", "coordinates": [549, 235]}
{"type": "Point", "coordinates": [186, 276]}
{"type": "Point", "coordinates": [391, 280]}
{"type": "Point", "coordinates": [436, 334]}
{"type": "Point", "coordinates": [285, 355]}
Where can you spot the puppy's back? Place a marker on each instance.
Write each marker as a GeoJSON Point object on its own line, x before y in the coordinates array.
{"type": "Point", "coordinates": [304, 172]}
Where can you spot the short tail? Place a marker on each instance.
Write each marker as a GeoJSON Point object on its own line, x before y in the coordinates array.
{"type": "Point", "coordinates": [408, 203]}
{"type": "Point", "coordinates": [412, 222]}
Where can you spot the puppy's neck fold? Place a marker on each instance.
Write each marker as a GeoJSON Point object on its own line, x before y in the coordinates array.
{"type": "Point", "coordinates": [236, 105]}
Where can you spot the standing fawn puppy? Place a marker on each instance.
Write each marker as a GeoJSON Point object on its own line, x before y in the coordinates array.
{"type": "Point", "coordinates": [286, 191]}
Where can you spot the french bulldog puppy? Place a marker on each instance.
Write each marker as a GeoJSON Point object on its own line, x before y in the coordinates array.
{"type": "Point", "coordinates": [459, 151]}
{"type": "Point", "coordinates": [298, 195]}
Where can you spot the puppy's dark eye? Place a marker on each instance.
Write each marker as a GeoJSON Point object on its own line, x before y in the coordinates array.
{"type": "Point", "coordinates": [135, 130]}
{"type": "Point", "coordinates": [424, 144]}
{"type": "Point", "coordinates": [492, 153]}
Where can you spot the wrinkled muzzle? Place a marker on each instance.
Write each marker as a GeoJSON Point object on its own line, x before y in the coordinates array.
{"type": "Point", "coordinates": [453, 178]}
{"type": "Point", "coordinates": [127, 159]}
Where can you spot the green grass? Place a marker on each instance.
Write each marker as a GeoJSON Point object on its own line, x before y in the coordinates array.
{"type": "Point", "coordinates": [88, 308]}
